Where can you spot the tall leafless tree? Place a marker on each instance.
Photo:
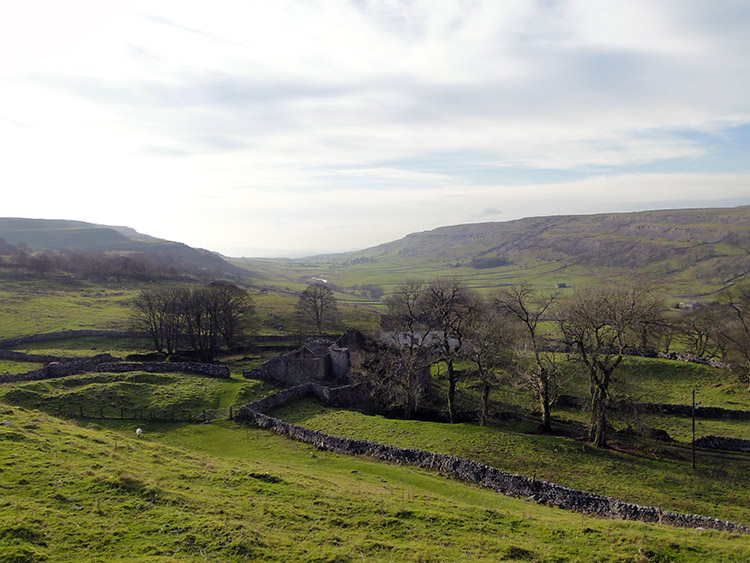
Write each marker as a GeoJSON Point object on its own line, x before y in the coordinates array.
{"type": "Point", "coordinates": [490, 346]}
{"type": "Point", "coordinates": [736, 330]}
{"type": "Point", "coordinates": [450, 307]}
{"type": "Point", "coordinates": [527, 308]}
{"type": "Point", "coordinates": [403, 365]}
{"type": "Point", "coordinates": [599, 324]}
{"type": "Point", "coordinates": [317, 306]}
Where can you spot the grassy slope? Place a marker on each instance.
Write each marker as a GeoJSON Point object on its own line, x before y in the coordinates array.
{"type": "Point", "coordinates": [46, 305]}
{"type": "Point", "coordinates": [637, 379]}
{"type": "Point", "coordinates": [229, 493]}
{"type": "Point", "coordinates": [33, 306]}
{"type": "Point", "coordinates": [663, 478]}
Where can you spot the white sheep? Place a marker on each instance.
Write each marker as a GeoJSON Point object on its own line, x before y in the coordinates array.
{"type": "Point", "coordinates": [138, 432]}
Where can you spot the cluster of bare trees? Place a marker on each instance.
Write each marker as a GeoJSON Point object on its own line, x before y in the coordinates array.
{"type": "Point", "coordinates": [202, 318]}
{"type": "Point", "coordinates": [511, 333]}
{"type": "Point", "coordinates": [443, 321]}
{"type": "Point", "coordinates": [719, 330]}
{"type": "Point", "coordinates": [600, 325]}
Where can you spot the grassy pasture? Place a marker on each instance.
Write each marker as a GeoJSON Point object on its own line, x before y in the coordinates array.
{"type": "Point", "coordinates": [53, 304]}
{"type": "Point", "coordinates": [676, 281]}
{"type": "Point", "coordinates": [9, 366]}
{"type": "Point", "coordinates": [84, 347]}
{"type": "Point", "coordinates": [667, 381]}
{"type": "Point", "coordinates": [163, 393]}
{"type": "Point", "coordinates": [663, 477]}
{"type": "Point", "coordinates": [35, 306]}
{"type": "Point", "coordinates": [225, 492]}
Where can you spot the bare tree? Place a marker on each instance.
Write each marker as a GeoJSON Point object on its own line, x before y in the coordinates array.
{"type": "Point", "coordinates": [202, 317]}
{"type": "Point", "coordinates": [317, 306]}
{"type": "Point", "coordinates": [599, 324]}
{"type": "Point", "coordinates": [234, 310]}
{"type": "Point", "coordinates": [526, 307]}
{"type": "Point", "coordinates": [160, 313]}
{"type": "Point", "coordinates": [148, 316]}
{"type": "Point", "coordinates": [700, 328]}
{"type": "Point", "coordinates": [450, 307]}
{"type": "Point", "coordinates": [489, 346]}
{"type": "Point", "coordinates": [736, 330]}
{"type": "Point", "coordinates": [403, 365]}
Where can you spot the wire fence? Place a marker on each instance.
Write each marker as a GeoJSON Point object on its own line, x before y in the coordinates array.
{"type": "Point", "coordinates": [144, 413]}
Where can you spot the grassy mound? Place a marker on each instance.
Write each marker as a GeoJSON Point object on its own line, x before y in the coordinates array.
{"type": "Point", "coordinates": [98, 395]}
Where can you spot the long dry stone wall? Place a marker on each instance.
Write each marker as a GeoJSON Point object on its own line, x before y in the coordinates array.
{"type": "Point", "coordinates": [64, 334]}
{"type": "Point", "coordinates": [109, 364]}
{"type": "Point", "coordinates": [470, 471]}
{"type": "Point", "coordinates": [721, 443]}
{"type": "Point", "coordinates": [662, 408]}
{"type": "Point", "coordinates": [35, 358]}
{"type": "Point", "coordinates": [60, 369]}
{"type": "Point", "coordinates": [212, 370]}
{"type": "Point", "coordinates": [687, 410]}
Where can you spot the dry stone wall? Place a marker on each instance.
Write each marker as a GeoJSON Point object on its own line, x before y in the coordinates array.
{"type": "Point", "coordinates": [212, 370]}
{"type": "Point", "coordinates": [108, 363]}
{"type": "Point", "coordinates": [64, 334]}
{"type": "Point", "coordinates": [661, 408]}
{"type": "Point", "coordinates": [470, 471]}
{"type": "Point", "coordinates": [60, 369]}
{"type": "Point", "coordinates": [721, 443]}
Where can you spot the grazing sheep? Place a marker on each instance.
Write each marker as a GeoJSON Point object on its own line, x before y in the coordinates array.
{"type": "Point", "coordinates": [138, 432]}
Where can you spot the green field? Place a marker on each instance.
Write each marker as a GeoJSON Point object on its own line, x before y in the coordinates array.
{"type": "Point", "coordinates": [34, 306]}
{"type": "Point", "coordinates": [656, 474]}
{"type": "Point", "coordinates": [84, 488]}
{"type": "Point", "coordinates": [224, 492]}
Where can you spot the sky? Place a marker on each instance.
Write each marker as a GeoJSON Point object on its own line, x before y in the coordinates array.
{"type": "Point", "coordinates": [292, 127]}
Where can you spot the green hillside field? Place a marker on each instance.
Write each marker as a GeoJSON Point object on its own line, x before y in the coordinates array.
{"type": "Point", "coordinates": [90, 490]}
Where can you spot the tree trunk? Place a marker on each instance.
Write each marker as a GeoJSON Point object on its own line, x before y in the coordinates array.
{"type": "Point", "coordinates": [485, 404]}
{"type": "Point", "coordinates": [544, 404]}
{"type": "Point", "coordinates": [451, 395]}
{"type": "Point", "coordinates": [408, 409]}
{"type": "Point", "coordinates": [598, 425]}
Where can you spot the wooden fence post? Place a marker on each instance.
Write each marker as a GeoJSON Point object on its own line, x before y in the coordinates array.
{"type": "Point", "coordinates": [80, 409]}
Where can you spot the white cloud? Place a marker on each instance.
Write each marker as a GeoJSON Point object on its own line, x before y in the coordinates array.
{"type": "Point", "coordinates": [279, 108]}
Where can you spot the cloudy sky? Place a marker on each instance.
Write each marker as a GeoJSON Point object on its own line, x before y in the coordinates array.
{"type": "Point", "coordinates": [271, 127]}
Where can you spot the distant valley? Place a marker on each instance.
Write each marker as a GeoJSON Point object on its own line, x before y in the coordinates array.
{"type": "Point", "coordinates": [693, 253]}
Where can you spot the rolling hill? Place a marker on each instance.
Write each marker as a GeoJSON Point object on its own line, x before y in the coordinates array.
{"type": "Point", "coordinates": [692, 253]}
{"type": "Point", "coordinates": [78, 236]}
{"type": "Point", "coordinates": [624, 239]}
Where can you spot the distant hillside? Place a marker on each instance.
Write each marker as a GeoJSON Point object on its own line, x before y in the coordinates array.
{"type": "Point", "coordinates": [691, 253]}
{"type": "Point", "coordinates": [622, 239]}
{"type": "Point", "coordinates": [64, 235]}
